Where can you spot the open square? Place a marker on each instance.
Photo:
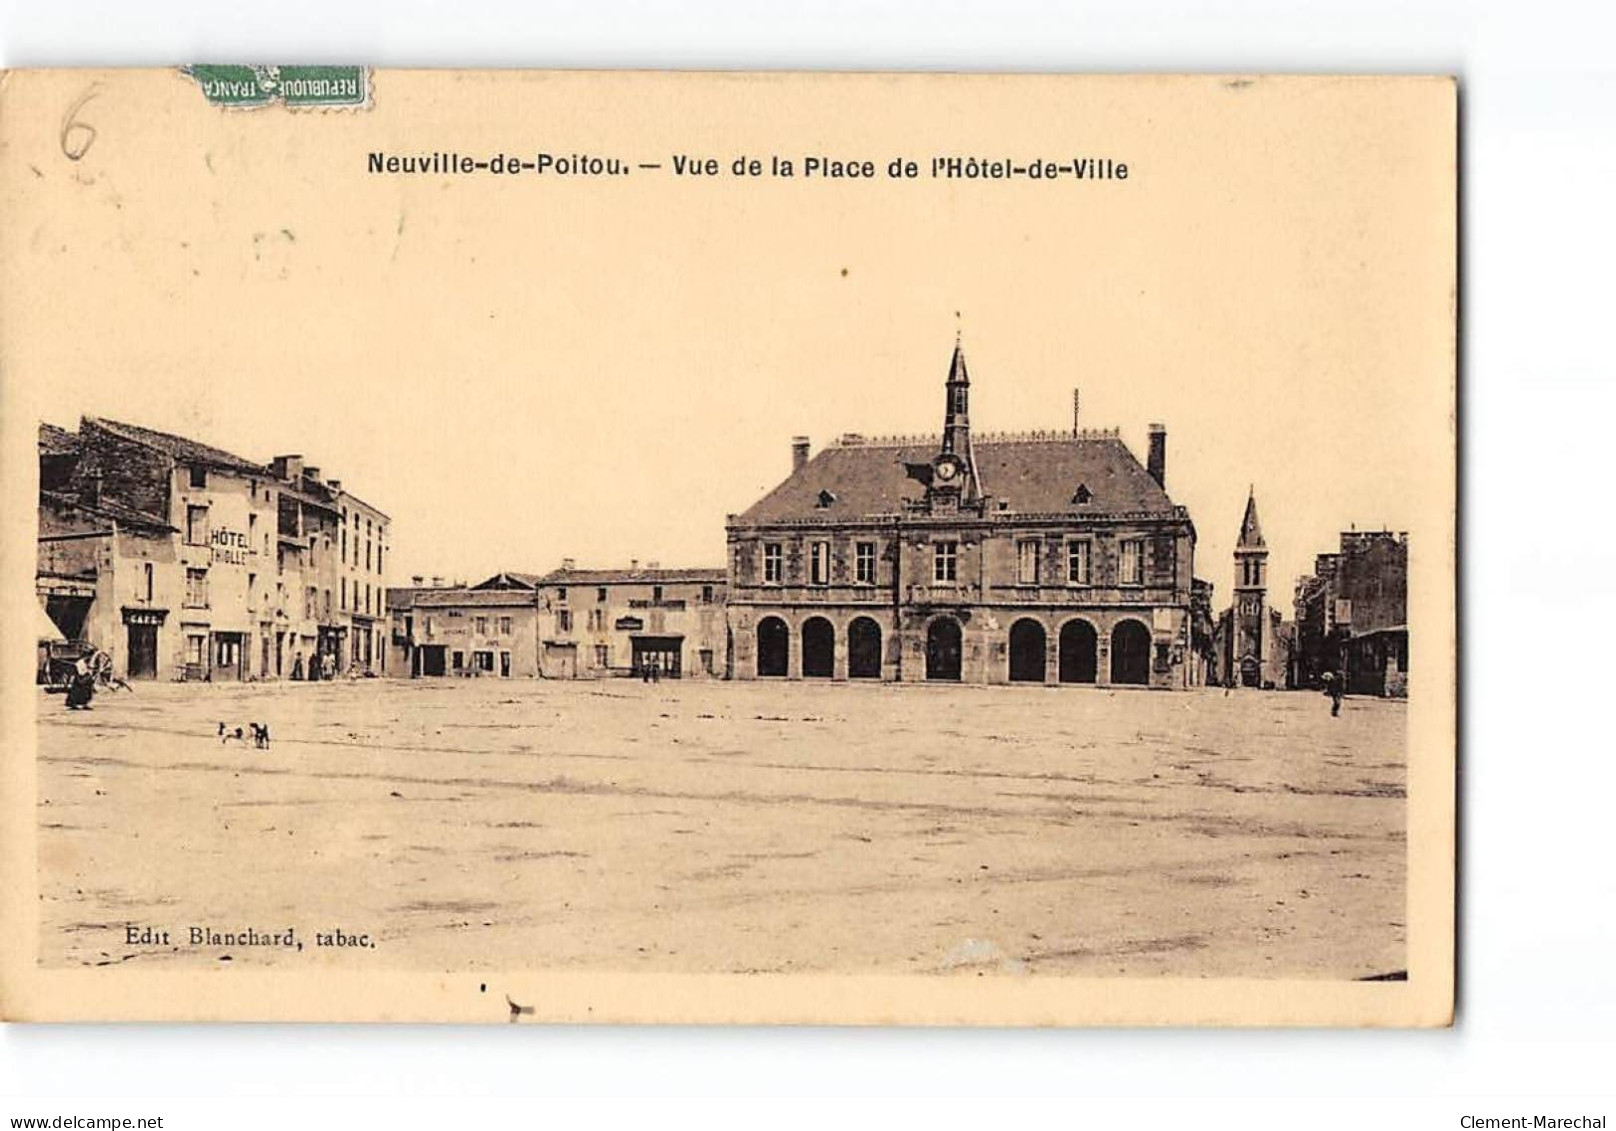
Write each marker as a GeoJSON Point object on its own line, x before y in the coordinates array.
{"type": "Point", "coordinates": [729, 827]}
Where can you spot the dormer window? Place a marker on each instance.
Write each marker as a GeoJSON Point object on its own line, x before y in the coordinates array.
{"type": "Point", "coordinates": [826, 498]}
{"type": "Point", "coordinates": [1083, 495]}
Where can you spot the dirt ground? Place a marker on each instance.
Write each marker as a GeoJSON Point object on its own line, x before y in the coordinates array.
{"type": "Point", "coordinates": [729, 827]}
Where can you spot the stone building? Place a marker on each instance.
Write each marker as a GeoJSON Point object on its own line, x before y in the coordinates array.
{"type": "Point", "coordinates": [402, 637]}
{"type": "Point", "coordinates": [1046, 557]}
{"type": "Point", "coordinates": [184, 561]}
{"type": "Point", "coordinates": [1352, 615]}
{"type": "Point", "coordinates": [489, 629]}
{"type": "Point", "coordinates": [601, 622]}
{"type": "Point", "coordinates": [1253, 642]}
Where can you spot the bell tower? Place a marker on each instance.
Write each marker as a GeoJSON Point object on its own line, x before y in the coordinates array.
{"type": "Point", "coordinates": [1251, 645]}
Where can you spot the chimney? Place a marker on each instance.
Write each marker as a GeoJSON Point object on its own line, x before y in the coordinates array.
{"type": "Point", "coordinates": [799, 453]}
{"type": "Point", "coordinates": [653, 566]}
{"type": "Point", "coordinates": [335, 484]}
{"type": "Point", "coordinates": [634, 565]}
{"type": "Point", "coordinates": [288, 467]}
{"type": "Point", "coordinates": [90, 492]}
{"type": "Point", "coordinates": [417, 580]}
{"type": "Point", "coordinates": [1077, 401]}
{"type": "Point", "coordinates": [1156, 462]}
{"type": "Point", "coordinates": [569, 563]}
{"type": "Point", "coordinates": [437, 582]}
{"type": "Point", "coordinates": [312, 473]}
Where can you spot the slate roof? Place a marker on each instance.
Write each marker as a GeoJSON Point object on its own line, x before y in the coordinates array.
{"type": "Point", "coordinates": [510, 579]}
{"type": "Point", "coordinates": [1250, 528]}
{"type": "Point", "coordinates": [186, 451]}
{"type": "Point", "coordinates": [1035, 474]}
{"type": "Point", "coordinates": [701, 576]}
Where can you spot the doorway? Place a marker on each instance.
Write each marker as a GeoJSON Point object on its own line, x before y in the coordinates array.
{"type": "Point", "coordinates": [142, 651]}
{"type": "Point", "coordinates": [818, 648]}
{"type": "Point", "coordinates": [943, 649]}
{"type": "Point", "coordinates": [1027, 651]}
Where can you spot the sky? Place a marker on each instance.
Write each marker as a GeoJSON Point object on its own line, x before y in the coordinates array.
{"type": "Point", "coordinates": [523, 369]}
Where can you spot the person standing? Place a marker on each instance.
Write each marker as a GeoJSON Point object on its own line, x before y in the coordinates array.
{"type": "Point", "coordinates": [1335, 688]}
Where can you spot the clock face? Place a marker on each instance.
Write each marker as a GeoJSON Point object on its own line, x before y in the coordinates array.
{"type": "Point", "coordinates": [947, 469]}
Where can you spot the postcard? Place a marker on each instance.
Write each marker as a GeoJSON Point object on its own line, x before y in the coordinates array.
{"type": "Point", "coordinates": [908, 549]}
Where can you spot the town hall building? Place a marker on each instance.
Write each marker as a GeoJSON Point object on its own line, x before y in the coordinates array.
{"type": "Point", "coordinates": [1043, 557]}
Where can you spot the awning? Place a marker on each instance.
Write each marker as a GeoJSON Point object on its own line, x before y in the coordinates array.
{"type": "Point", "coordinates": [46, 627]}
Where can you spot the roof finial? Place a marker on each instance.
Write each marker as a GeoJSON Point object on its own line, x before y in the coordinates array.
{"type": "Point", "coordinates": [959, 331]}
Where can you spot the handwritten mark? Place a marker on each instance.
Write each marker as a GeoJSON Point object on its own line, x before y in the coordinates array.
{"type": "Point", "coordinates": [77, 136]}
{"type": "Point", "coordinates": [517, 1010]}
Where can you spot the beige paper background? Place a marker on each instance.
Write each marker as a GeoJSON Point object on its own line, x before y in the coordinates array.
{"type": "Point", "coordinates": [620, 362]}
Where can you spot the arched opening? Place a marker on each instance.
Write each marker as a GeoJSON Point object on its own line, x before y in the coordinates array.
{"type": "Point", "coordinates": [1130, 653]}
{"type": "Point", "coordinates": [1027, 645]}
{"type": "Point", "coordinates": [863, 649]}
{"type": "Point", "coordinates": [774, 646]}
{"type": "Point", "coordinates": [818, 648]}
{"type": "Point", "coordinates": [1079, 652]}
{"type": "Point", "coordinates": [943, 647]}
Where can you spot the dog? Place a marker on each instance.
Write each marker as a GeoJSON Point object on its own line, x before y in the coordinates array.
{"type": "Point", "coordinates": [259, 732]}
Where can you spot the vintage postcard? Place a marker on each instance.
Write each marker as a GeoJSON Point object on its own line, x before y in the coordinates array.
{"type": "Point", "coordinates": [728, 548]}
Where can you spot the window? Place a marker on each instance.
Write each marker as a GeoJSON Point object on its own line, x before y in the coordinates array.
{"type": "Point", "coordinates": [485, 661]}
{"type": "Point", "coordinates": [199, 476]}
{"type": "Point", "coordinates": [342, 594]}
{"type": "Point", "coordinates": [328, 604]}
{"type": "Point", "coordinates": [864, 563]}
{"type": "Point", "coordinates": [564, 620]}
{"type": "Point", "coordinates": [1132, 569]}
{"type": "Point", "coordinates": [252, 584]}
{"type": "Point", "coordinates": [504, 626]}
{"type": "Point", "coordinates": [561, 594]}
{"type": "Point", "coordinates": [310, 603]}
{"type": "Point", "coordinates": [480, 625]}
{"type": "Point", "coordinates": [600, 594]}
{"type": "Point", "coordinates": [195, 650]}
{"type": "Point", "coordinates": [196, 588]}
{"type": "Point", "coordinates": [367, 553]}
{"type": "Point", "coordinates": [945, 561]}
{"type": "Point", "coordinates": [252, 531]}
{"type": "Point", "coordinates": [367, 598]}
{"type": "Point", "coordinates": [196, 526]}
{"type": "Point", "coordinates": [819, 563]}
{"type": "Point", "coordinates": [656, 594]}
{"type": "Point", "coordinates": [1027, 561]}
{"type": "Point", "coordinates": [1077, 563]}
{"type": "Point", "coordinates": [706, 594]}
{"type": "Point", "coordinates": [773, 564]}
{"type": "Point", "coordinates": [459, 659]}
{"type": "Point", "coordinates": [603, 655]}
{"type": "Point", "coordinates": [148, 581]}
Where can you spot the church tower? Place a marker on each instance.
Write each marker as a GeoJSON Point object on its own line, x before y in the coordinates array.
{"type": "Point", "coordinates": [1250, 643]}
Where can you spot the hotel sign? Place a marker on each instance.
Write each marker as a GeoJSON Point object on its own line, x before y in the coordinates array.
{"type": "Point", "coordinates": [230, 547]}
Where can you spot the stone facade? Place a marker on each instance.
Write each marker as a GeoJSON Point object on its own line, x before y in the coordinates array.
{"type": "Point", "coordinates": [1048, 557]}
{"type": "Point", "coordinates": [183, 561]}
{"type": "Point", "coordinates": [1352, 615]}
{"type": "Point", "coordinates": [635, 622]}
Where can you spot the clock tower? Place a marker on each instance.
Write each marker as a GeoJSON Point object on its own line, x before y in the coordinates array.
{"type": "Point", "coordinates": [953, 478]}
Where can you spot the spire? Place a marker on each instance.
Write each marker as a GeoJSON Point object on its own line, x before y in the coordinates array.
{"type": "Point", "coordinates": [1250, 528]}
{"type": "Point", "coordinates": [957, 404]}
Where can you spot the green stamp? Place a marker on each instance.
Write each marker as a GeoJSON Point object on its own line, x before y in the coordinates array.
{"type": "Point", "coordinates": [249, 87]}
